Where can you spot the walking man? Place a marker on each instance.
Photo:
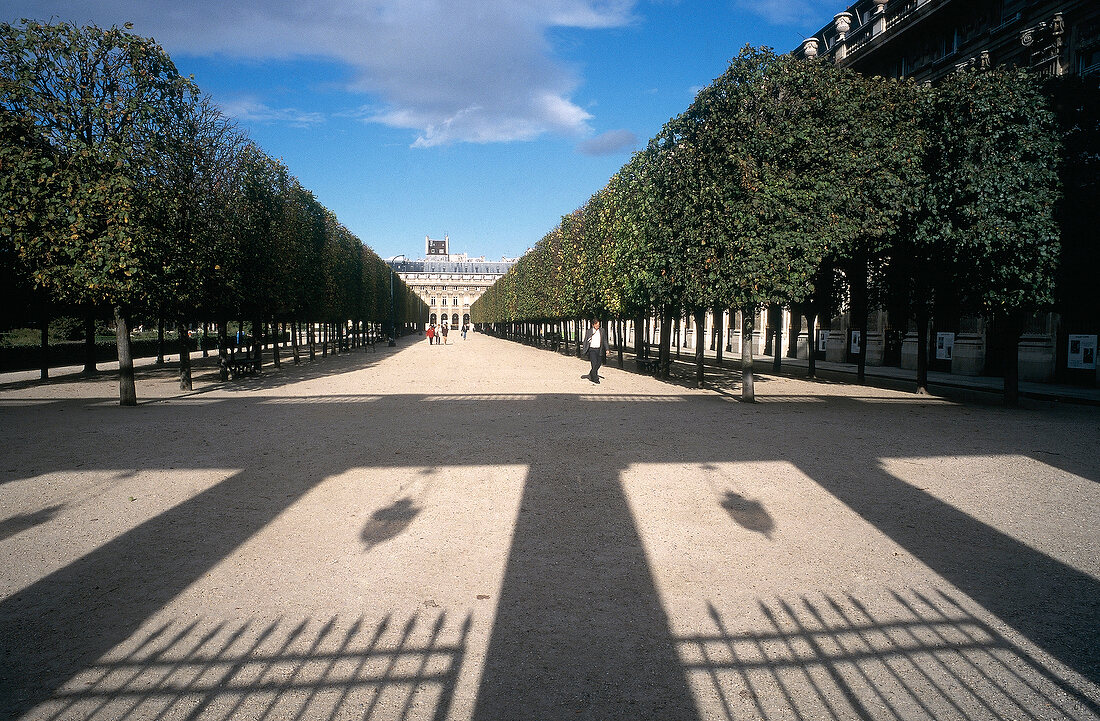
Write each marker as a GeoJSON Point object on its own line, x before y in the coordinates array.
{"type": "Point", "coordinates": [595, 343]}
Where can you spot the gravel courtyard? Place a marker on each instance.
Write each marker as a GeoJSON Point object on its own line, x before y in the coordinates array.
{"type": "Point", "coordinates": [473, 531]}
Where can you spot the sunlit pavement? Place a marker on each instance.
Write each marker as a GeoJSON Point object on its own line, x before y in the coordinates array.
{"type": "Point", "coordinates": [474, 531]}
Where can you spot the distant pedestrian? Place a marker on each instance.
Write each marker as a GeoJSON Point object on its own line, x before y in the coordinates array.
{"type": "Point", "coordinates": [431, 333]}
{"type": "Point", "coordinates": [464, 326]}
{"type": "Point", "coordinates": [595, 344]}
{"type": "Point", "coordinates": [444, 334]}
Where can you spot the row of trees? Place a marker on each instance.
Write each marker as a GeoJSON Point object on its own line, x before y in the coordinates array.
{"type": "Point", "coordinates": [796, 183]}
{"type": "Point", "coordinates": [123, 186]}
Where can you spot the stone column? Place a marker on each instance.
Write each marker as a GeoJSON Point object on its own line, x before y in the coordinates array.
{"type": "Point", "coordinates": [843, 23]}
{"type": "Point", "coordinates": [879, 23]}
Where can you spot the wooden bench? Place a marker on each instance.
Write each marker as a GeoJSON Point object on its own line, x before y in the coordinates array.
{"type": "Point", "coordinates": [648, 365]}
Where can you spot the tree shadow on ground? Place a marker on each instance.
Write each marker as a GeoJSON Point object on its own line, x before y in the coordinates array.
{"type": "Point", "coordinates": [205, 370]}
{"type": "Point", "coordinates": [580, 629]}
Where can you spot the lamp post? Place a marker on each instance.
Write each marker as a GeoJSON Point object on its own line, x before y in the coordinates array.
{"type": "Point", "coordinates": [393, 309]}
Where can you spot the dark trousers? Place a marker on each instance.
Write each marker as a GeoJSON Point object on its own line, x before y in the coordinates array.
{"type": "Point", "coordinates": [594, 356]}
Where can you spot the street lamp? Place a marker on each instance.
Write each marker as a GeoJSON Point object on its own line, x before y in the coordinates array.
{"type": "Point", "coordinates": [393, 309]}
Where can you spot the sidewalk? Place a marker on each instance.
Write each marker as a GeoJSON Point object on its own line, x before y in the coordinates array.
{"type": "Point", "coordinates": [1062, 393]}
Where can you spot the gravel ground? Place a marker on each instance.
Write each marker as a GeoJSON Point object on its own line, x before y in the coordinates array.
{"type": "Point", "coordinates": [474, 531]}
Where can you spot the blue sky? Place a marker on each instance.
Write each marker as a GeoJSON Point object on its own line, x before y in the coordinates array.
{"type": "Point", "coordinates": [484, 119]}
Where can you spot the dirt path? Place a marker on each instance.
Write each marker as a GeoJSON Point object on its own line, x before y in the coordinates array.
{"type": "Point", "coordinates": [473, 531]}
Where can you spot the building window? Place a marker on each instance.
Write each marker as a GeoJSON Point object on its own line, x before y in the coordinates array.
{"type": "Point", "coordinates": [433, 301]}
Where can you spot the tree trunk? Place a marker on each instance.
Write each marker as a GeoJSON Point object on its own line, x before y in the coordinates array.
{"type": "Point", "coordinates": [664, 352]}
{"type": "Point", "coordinates": [44, 346]}
{"type": "Point", "coordinates": [700, 327]}
{"type": "Point", "coordinates": [324, 339]}
{"type": "Point", "coordinates": [160, 341]}
{"type": "Point", "coordinates": [223, 350]}
{"type": "Point", "coordinates": [777, 340]}
{"type": "Point", "coordinates": [89, 343]}
{"type": "Point", "coordinates": [679, 323]}
{"type": "Point", "coordinates": [922, 350]}
{"type": "Point", "coordinates": [719, 329]}
{"type": "Point", "coordinates": [811, 330]}
{"type": "Point", "coordinates": [127, 389]}
{"type": "Point", "coordinates": [793, 332]}
{"type": "Point", "coordinates": [295, 327]}
{"type": "Point", "coordinates": [621, 331]}
{"type": "Point", "coordinates": [748, 321]}
{"type": "Point", "coordinates": [312, 341]}
{"type": "Point", "coordinates": [275, 345]}
{"type": "Point", "coordinates": [857, 283]}
{"type": "Point", "coordinates": [1013, 329]}
{"type": "Point", "coordinates": [861, 370]}
{"type": "Point", "coordinates": [185, 356]}
{"type": "Point", "coordinates": [258, 345]}
{"type": "Point", "coordinates": [205, 340]}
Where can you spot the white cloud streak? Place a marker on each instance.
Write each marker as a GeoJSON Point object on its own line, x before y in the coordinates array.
{"type": "Point", "coordinates": [449, 70]}
{"type": "Point", "coordinates": [800, 13]}
{"type": "Point", "coordinates": [609, 143]}
{"type": "Point", "coordinates": [249, 109]}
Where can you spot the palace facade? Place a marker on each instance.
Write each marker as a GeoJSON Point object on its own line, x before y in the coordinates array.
{"type": "Point", "coordinates": [448, 282]}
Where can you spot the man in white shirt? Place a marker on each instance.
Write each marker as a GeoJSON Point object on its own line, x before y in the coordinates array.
{"type": "Point", "coordinates": [595, 343]}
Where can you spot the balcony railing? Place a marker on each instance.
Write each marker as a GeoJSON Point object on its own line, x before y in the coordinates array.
{"type": "Point", "coordinates": [908, 11]}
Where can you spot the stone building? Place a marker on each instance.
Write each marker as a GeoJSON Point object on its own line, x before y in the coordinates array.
{"type": "Point", "coordinates": [448, 282]}
{"type": "Point", "coordinates": [926, 40]}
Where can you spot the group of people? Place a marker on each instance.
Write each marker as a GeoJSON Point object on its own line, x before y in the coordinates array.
{"type": "Point", "coordinates": [595, 344]}
{"type": "Point", "coordinates": [440, 336]}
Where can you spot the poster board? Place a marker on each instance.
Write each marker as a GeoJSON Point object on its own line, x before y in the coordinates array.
{"type": "Point", "coordinates": [945, 346]}
{"type": "Point", "coordinates": [855, 343]}
{"type": "Point", "coordinates": [822, 340]}
{"type": "Point", "coordinates": [1082, 352]}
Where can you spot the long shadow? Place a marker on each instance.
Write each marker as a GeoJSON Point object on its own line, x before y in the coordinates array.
{"type": "Point", "coordinates": [22, 521]}
{"type": "Point", "coordinates": [1053, 604]}
{"type": "Point", "coordinates": [580, 630]}
{"type": "Point", "coordinates": [205, 370]}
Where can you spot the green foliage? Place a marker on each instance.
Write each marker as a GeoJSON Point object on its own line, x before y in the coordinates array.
{"type": "Point", "coordinates": [97, 102]}
{"type": "Point", "coordinates": [992, 187]}
{"type": "Point", "coordinates": [786, 177]}
{"type": "Point", "coordinates": [121, 185]}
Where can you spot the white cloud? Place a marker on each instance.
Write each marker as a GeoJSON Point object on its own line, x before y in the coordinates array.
{"type": "Point", "coordinates": [609, 143]}
{"type": "Point", "coordinates": [449, 70]}
{"type": "Point", "coordinates": [249, 109]}
{"type": "Point", "coordinates": [800, 13]}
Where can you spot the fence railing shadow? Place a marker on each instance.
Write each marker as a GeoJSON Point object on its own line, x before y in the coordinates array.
{"type": "Point", "coordinates": [916, 655]}
{"type": "Point", "coordinates": [307, 670]}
